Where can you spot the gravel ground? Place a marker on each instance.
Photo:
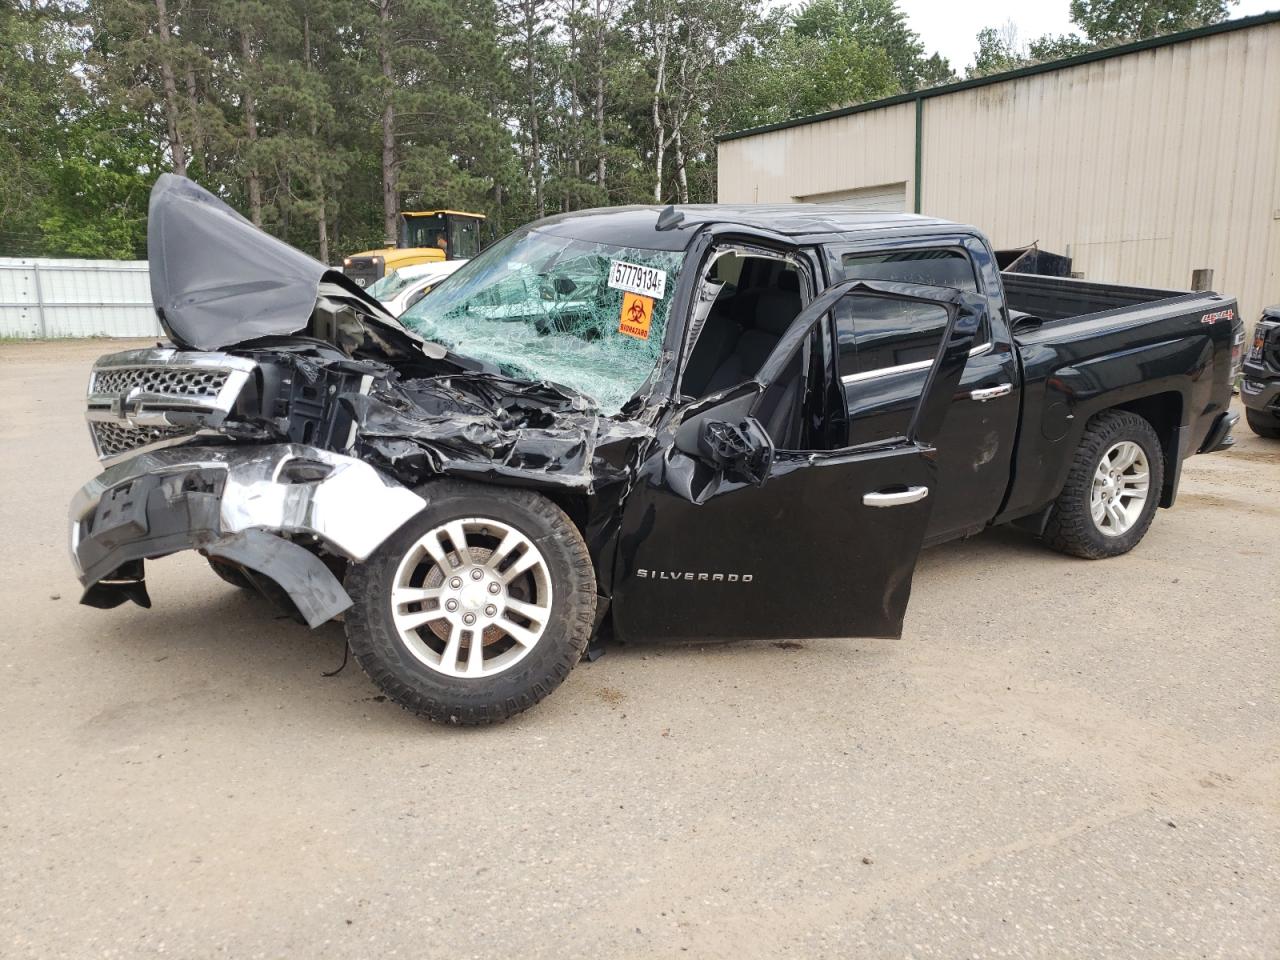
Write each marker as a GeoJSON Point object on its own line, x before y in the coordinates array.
{"type": "Point", "coordinates": [1060, 758]}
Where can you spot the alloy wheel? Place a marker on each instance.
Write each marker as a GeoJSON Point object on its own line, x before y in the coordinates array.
{"type": "Point", "coordinates": [1120, 488]}
{"type": "Point", "coordinates": [471, 598]}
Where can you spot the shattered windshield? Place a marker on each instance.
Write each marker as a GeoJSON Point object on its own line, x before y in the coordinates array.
{"type": "Point", "coordinates": [589, 316]}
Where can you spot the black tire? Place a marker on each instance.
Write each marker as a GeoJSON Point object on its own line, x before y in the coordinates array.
{"type": "Point", "coordinates": [1071, 528]}
{"type": "Point", "coordinates": [427, 692]}
{"type": "Point", "coordinates": [229, 572]}
{"type": "Point", "coordinates": [1262, 423]}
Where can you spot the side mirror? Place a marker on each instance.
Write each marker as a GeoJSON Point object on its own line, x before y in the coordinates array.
{"type": "Point", "coordinates": [743, 451]}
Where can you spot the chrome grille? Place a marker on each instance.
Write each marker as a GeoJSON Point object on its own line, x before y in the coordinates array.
{"type": "Point", "coordinates": [147, 398]}
{"type": "Point", "coordinates": [114, 439]}
{"type": "Point", "coordinates": [178, 381]}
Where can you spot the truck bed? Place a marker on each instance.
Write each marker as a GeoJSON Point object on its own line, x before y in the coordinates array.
{"type": "Point", "coordinates": [1163, 353]}
{"type": "Point", "coordinates": [1061, 298]}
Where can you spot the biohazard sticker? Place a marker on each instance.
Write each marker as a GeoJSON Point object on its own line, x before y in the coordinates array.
{"type": "Point", "coordinates": [637, 314]}
{"type": "Point", "coordinates": [646, 281]}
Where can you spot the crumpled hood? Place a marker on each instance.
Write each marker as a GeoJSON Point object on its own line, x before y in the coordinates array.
{"type": "Point", "coordinates": [217, 280]}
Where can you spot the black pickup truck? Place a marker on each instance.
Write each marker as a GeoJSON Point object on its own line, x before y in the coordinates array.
{"type": "Point", "coordinates": [690, 422]}
{"type": "Point", "coordinates": [1260, 386]}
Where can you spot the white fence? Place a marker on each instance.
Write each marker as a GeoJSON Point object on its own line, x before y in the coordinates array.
{"type": "Point", "coordinates": [75, 298]}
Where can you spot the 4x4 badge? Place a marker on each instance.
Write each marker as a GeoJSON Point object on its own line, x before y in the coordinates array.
{"type": "Point", "coordinates": [1218, 315]}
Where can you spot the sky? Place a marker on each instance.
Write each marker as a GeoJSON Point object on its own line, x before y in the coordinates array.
{"type": "Point", "coordinates": [949, 26]}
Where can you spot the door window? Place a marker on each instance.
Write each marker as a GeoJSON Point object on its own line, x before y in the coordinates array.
{"type": "Point", "coordinates": [464, 240]}
{"type": "Point", "coordinates": [876, 334]}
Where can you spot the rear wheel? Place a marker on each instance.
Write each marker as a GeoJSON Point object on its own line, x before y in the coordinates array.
{"type": "Point", "coordinates": [1262, 423]}
{"type": "Point", "coordinates": [477, 608]}
{"type": "Point", "coordinates": [1112, 490]}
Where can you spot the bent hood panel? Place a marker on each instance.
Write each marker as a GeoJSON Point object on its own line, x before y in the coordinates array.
{"type": "Point", "coordinates": [217, 280]}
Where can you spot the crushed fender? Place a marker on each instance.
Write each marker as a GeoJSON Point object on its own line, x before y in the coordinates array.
{"type": "Point", "coordinates": [487, 426]}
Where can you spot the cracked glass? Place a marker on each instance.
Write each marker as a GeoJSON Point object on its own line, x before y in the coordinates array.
{"type": "Point", "coordinates": [540, 307]}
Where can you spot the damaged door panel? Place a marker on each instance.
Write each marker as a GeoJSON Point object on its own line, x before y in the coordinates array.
{"type": "Point", "coordinates": [698, 421]}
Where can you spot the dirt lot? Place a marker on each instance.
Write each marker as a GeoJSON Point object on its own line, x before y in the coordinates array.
{"type": "Point", "coordinates": [1059, 759]}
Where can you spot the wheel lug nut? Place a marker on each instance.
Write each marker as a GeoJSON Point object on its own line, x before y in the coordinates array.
{"type": "Point", "coordinates": [490, 611]}
{"type": "Point", "coordinates": [451, 605]}
{"type": "Point", "coordinates": [456, 583]}
{"type": "Point", "coordinates": [477, 574]}
{"type": "Point", "coordinates": [494, 588]}
{"type": "Point", "coordinates": [469, 619]}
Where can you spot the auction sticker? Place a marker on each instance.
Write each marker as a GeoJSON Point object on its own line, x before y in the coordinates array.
{"type": "Point", "coordinates": [637, 314]}
{"type": "Point", "coordinates": [646, 281]}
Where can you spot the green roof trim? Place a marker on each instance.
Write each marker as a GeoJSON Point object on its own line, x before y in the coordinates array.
{"type": "Point", "coordinates": [1227, 26]}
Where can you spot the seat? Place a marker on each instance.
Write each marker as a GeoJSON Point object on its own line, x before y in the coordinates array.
{"type": "Point", "coordinates": [774, 309]}
{"type": "Point", "coordinates": [715, 344]}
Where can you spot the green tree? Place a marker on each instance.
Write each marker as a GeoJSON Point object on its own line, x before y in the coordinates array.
{"type": "Point", "coordinates": [786, 73]}
{"type": "Point", "coordinates": [1059, 47]}
{"type": "Point", "coordinates": [322, 119]}
{"type": "Point", "coordinates": [96, 206]}
{"type": "Point", "coordinates": [1106, 22]}
{"type": "Point", "coordinates": [1103, 23]}
{"type": "Point", "coordinates": [74, 171]}
{"type": "Point", "coordinates": [935, 70]}
{"type": "Point", "coordinates": [37, 49]}
{"type": "Point", "coordinates": [998, 51]}
{"type": "Point", "coordinates": [878, 24]}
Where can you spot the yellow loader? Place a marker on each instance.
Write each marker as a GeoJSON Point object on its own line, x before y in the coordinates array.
{"type": "Point", "coordinates": [425, 236]}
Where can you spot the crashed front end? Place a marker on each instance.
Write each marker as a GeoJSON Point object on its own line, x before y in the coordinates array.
{"type": "Point", "coordinates": [285, 462]}
{"type": "Point", "coordinates": [294, 425]}
{"type": "Point", "coordinates": [164, 422]}
{"type": "Point", "coordinates": [263, 509]}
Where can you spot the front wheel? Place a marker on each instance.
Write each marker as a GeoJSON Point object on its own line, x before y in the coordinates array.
{"type": "Point", "coordinates": [1112, 490]}
{"type": "Point", "coordinates": [477, 608]}
{"type": "Point", "coordinates": [229, 572]}
{"type": "Point", "coordinates": [1262, 423]}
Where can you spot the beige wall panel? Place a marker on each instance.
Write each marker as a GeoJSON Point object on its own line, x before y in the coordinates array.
{"type": "Point", "coordinates": [1145, 166]}
{"type": "Point", "coordinates": [862, 150]}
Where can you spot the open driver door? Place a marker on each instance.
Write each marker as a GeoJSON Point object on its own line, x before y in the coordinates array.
{"type": "Point", "coordinates": [726, 535]}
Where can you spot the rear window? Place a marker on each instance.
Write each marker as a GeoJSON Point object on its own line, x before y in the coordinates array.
{"type": "Point", "coordinates": [938, 268]}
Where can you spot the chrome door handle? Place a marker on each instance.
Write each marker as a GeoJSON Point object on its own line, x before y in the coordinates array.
{"type": "Point", "coordinates": [990, 393]}
{"type": "Point", "coordinates": [897, 498]}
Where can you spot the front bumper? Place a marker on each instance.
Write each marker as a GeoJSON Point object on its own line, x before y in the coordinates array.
{"type": "Point", "coordinates": [1260, 390]}
{"type": "Point", "coordinates": [242, 503]}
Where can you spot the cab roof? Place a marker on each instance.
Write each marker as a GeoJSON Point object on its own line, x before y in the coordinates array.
{"type": "Point", "coordinates": [800, 222]}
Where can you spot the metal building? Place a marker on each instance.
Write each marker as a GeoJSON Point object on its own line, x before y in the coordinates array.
{"type": "Point", "coordinates": [1143, 162]}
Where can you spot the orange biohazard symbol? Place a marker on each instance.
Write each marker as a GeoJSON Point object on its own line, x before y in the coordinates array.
{"type": "Point", "coordinates": [637, 314]}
